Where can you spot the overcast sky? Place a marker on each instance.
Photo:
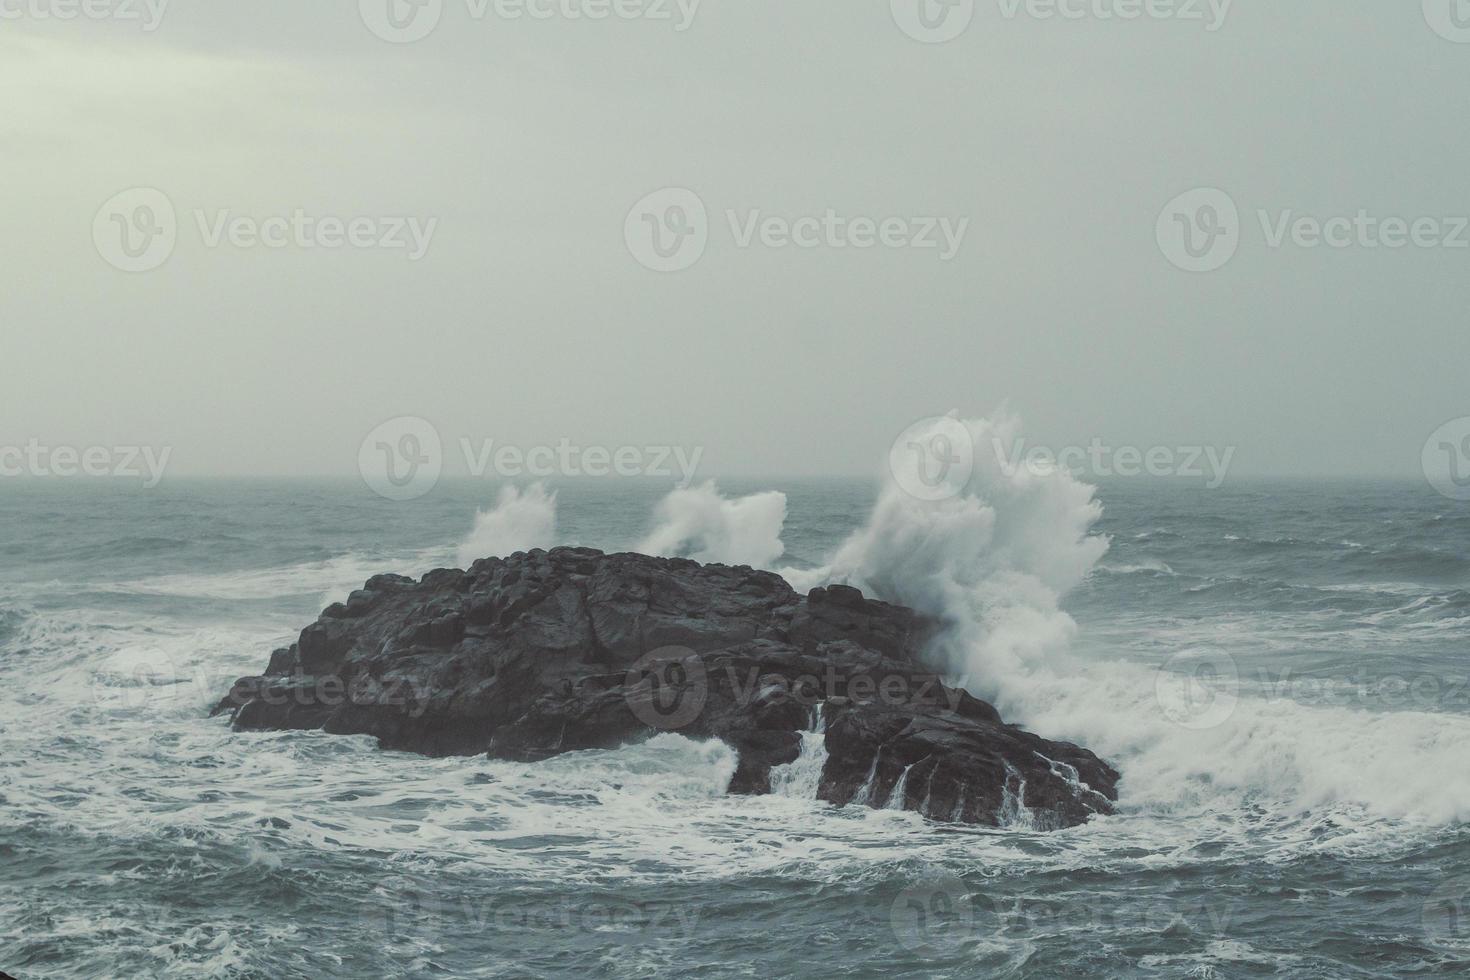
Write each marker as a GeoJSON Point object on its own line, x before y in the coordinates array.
{"type": "Point", "coordinates": [531, 317]}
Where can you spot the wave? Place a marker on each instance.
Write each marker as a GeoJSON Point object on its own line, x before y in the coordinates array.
{"type": "Point", "coordinates": [695, 522]}
{"type": "Point", "coordinates": [1151, 567]}
{"type": "Point", "coordinates": [336, 576]}
{"type": "Point", "coordinates": [993, 562]}
{"type": "Point", "coordinates": [521, 520]}
{"type": "Point", "coordinates": [700, 523]}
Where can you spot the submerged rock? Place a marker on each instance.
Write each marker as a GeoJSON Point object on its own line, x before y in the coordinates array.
{"type": "Point", "coordinates": [542, 653]}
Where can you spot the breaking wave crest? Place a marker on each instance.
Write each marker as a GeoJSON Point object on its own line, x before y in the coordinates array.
{"type": "Point", "coordinates": [700, 523]}
{"type": "Point", "coordinates": [521, 520]}
{"type": "Point", "coordinates": [993, 563]}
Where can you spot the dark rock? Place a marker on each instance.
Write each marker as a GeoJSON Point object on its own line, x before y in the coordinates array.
{"type": "Point", "coordinates": [549, 652]}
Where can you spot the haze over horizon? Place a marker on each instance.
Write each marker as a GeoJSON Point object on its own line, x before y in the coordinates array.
{"type": "Point", "coordinates": [510, 157]}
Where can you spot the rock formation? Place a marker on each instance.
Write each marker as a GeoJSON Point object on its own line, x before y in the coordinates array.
{"type": "Point", "coordinates": [542, 653]}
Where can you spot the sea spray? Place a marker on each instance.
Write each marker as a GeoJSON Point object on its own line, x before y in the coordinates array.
{"type": "Point", "coordinates": [520, 521]}
{"type": "Point", "coordinates": [991, 564]}
{"type": "Point", "coordinates": [700, 523]}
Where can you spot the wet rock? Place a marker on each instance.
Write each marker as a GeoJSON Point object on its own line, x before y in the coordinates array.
{"type": "Point", "coordinates": [543, 653]}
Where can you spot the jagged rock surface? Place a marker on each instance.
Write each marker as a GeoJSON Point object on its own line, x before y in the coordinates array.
{"type": "Point", "coordinates": [542, 653]}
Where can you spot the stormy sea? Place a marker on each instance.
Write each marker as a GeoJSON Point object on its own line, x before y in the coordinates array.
{"type": "Point", "coordinates": [1279, 669]}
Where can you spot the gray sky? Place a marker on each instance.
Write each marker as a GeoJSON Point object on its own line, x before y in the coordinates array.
{"type": "Point", "coordinates": [530, 320]}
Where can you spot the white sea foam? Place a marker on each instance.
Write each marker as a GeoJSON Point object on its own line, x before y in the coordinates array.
{"type": "Point", "coordinates": [521, 520]}
{"type": "Point", "coordinates": [333, 578]}
{"type": "Point", "coordinates": [993, 564]}
{"type": "Point", "coordinates": [700, 523]}
{"type": "Point", "coordinates": [110, 748]}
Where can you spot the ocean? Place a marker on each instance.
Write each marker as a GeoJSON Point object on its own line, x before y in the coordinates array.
{"type": "Point", "coordinates": [1280, 670]}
